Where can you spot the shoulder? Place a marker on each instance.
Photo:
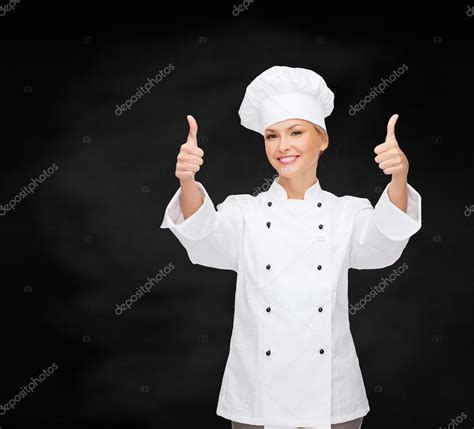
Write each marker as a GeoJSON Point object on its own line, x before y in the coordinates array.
{"type": "Point", "coordinates": [233, 201]}
{"type": "Point", "coordinates": [236, 201]}
{"type": "Point", "coordinates": [346, 203]}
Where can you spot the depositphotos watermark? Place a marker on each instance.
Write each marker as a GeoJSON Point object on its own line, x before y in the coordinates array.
{"type": "Point", "coordinates": [29, 189]}
{"type": "Point", "coordinates": [376, 90]}
{"type": "Point", "coordinates": [144, 89]}
{"type": "Point", "coordinates": [380, 288]}
{"type": "Point", "coordinates": [29, 388]}
{"type": "Point", "coordinates": [141, 290]}
{"type": "Point", "coordinates": [265, 186]}
{"type": "Point", "coordinates": [262, 387]}
{"type": "Point", "coordinates": [241, 7]}
{"type": "Point", "coordinates": [268, 182]}
{"type": "Point", "coordinates": [456, 421]}
{"type": "Point", "coordinates": [10, 6]}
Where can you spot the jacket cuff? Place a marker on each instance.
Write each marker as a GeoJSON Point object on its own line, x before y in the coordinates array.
{"type": "Point", "coordinates": [395, 223]}
{"type": "Point", "coordinates": [196, 226]}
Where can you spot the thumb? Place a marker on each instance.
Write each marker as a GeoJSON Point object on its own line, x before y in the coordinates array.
{"type": "Point", "coordinates": [391, 128]}
{"type": "Point", "coordinates": [193, 128]}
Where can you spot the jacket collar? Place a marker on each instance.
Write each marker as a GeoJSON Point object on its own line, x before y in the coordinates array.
{"type": "Point", "coordinates": [277, 191]}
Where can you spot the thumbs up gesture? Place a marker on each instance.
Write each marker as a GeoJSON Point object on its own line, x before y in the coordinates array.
{"type": "Point", "coordinates": [390, 157]}
{"type": "Point", "coordinates": [190, 155]}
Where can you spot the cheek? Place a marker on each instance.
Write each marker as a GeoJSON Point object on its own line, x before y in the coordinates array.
{"type": "Point", "coordinates": [308, 147]}
{"type": "Point", "coordinates": [310, 152]}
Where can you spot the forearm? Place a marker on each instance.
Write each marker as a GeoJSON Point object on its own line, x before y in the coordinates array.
{"type": "Point", "coordinates": [191, 198]}
{"type": "Point", "coordinates": [398, 192]}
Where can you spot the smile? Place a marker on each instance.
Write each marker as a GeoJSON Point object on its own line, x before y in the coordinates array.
{"type": "Point", "coordinates": [288, 159]}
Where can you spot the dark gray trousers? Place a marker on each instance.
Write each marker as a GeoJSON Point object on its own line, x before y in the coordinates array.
{"type": "Point", "coordinates": [351, 424]}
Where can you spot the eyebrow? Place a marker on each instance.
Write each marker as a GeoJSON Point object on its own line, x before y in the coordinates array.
{"type": "Point", "coordinates": [294, 125]}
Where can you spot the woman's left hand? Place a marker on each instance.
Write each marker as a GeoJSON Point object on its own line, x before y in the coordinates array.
{"type": "Point", "coordinates": [390, 157]}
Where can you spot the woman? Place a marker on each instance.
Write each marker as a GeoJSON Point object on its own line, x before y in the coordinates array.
{"type": "Point", "coordinates": [292, 361]}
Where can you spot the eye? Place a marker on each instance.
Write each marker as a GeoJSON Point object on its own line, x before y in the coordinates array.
{"type": "Point", "coordinates": [269, 136]}
{"type": "Point", "coordinates": [297, 132]}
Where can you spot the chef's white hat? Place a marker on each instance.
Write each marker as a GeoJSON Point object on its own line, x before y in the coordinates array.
{"type": "Point", "coordinates": [281, 93]}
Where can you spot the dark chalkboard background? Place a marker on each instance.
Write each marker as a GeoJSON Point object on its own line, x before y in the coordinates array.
{"type": "Point", "coordinates": [89, 235]}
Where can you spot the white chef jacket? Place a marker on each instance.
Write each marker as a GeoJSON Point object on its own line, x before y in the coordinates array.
{"type": "Point", "coordinates": [292, 360]}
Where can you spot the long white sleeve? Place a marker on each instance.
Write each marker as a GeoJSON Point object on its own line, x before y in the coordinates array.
{"type": "Point", "coordinates": [381, 234]}
{"type": "Point", "coordinates": [211, 237]}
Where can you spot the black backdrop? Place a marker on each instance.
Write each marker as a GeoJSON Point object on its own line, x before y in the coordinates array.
{"type": "Point", "coordinates": [89, 234]}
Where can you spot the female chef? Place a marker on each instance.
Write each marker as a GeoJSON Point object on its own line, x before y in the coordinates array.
{"type": "Point", "coordinates": [292, 362]}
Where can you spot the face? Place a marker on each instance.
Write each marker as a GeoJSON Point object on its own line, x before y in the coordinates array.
{"type": "Point", "coordinates": [293, 146]}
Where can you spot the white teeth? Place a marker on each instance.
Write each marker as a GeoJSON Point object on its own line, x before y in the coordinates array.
{"type": "Point", "coordinates": [288, 159]}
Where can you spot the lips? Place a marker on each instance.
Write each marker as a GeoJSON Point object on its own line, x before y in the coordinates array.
{"type": "Point", "coordinates": [288, 159]}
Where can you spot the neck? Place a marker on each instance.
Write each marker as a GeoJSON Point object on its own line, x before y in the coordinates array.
{"type": "Point", "coordinates": [296, 187]}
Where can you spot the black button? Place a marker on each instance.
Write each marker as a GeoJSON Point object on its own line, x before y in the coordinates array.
{"type": "Point", "coordinates": [269, 204]}
{"type": "Point", "coordinates": [268, 352]}
{"type": "Point", "coordinates": [320, 309]}
{"type": "Point", "coordinates": [319, 267]}
{"type": "Point", "coordinates": [268, 224]}
{"type": "Point", "coordinates": [319, 204]}
{"type": "Point", "coordinates": [268, 266]}
{"type": "Point", "coordinates": [321, 351]}
{"type": "Point", "coordinates": [320, 226]}
{"type": "Point", "coordinates": [268, 309]}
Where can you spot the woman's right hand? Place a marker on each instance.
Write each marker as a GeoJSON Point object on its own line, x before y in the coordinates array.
{"type": "Point", "coordinates": [190, 155]}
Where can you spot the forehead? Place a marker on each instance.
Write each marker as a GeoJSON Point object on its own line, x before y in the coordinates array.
{"type": "Point", "coordinates": [283, 125]}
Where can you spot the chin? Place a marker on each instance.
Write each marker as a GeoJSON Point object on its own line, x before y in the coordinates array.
{"type": "Point", "coordinates": [288, 171]}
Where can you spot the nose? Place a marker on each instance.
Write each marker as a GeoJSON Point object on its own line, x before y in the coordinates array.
{"type": "Point", "coordinates": [284, 144]}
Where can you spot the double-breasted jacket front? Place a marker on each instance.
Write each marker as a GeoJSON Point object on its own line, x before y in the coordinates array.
{"type": "Point", "coordinates": [292, 360]}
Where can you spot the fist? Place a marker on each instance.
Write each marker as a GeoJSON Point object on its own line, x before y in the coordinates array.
{"type": "Point", "coordinates": [390, 157]}
{"type": "Point", "coordinates": [189, 159]}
